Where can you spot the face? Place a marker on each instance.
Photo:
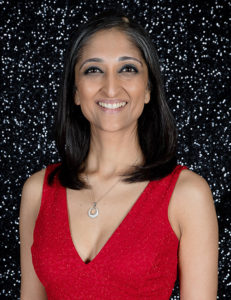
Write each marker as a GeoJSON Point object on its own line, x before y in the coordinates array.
{"type": "Point", "coordinates": [111, 78]}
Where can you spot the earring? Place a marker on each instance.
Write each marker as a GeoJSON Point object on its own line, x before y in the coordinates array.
{"type": "Point", "coordinates": [77, 100]}
{"type": "Point", "coordinates": [146, 100]}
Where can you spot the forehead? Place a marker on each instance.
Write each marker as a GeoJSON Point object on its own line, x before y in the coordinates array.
{"type": "Point", "coordinates": [110, 42]}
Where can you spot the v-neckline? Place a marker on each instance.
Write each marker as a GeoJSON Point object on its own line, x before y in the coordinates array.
{"type": "Point", "coordinates": [109, 241]}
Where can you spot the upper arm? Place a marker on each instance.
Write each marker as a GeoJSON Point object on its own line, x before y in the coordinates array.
{"type": "Point", "coordinates": [198, 247]}
{"type": "Point", "coordinates": [31, 287]}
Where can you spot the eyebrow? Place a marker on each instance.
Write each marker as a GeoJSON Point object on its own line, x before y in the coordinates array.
{"type": "Point", "coordinates": [130, 58]}
{"type": "Point", "coordinates": [122, 58]}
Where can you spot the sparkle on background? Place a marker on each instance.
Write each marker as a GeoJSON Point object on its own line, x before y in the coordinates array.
{"type": "Point", "coordinates": [192, 40]}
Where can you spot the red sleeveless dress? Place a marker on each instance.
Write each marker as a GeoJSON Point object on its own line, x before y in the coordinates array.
{"type": "Point", "coordinates": [139, 261]}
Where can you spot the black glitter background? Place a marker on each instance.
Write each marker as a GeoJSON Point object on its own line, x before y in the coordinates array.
{"type": "Point", "coordinates": [192, 40]}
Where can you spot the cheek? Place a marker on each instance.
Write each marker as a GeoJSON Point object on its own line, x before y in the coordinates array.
{"type": "Point", "coordinates": [86, 94]}
{"type": "Point", "coordinates": [138, 90]}
{"type": "Point", "coordinates": [85, 90]}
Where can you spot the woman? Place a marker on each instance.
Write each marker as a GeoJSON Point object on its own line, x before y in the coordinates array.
{"type": "Point", "coordinates": [117, 216]}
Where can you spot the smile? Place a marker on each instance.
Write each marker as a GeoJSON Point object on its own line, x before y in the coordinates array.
{"type": "Point", "coordinates": [112, 105]}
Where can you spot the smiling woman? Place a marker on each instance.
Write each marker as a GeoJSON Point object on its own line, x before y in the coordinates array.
{"type": "Point", "coordinates": [111, 88]}
{"type": "Point", "coordinates": [117, 216]}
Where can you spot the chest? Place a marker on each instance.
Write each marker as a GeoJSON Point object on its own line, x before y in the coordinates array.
{"type": "Point", "coordinates": [90, 235]}
{"type": "Point", "coordinates": [130, 248]}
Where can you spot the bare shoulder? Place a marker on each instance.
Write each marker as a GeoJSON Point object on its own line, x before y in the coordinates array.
{"type": "Point", "coordinates": [192, 199]}
{"type": "Point", "coordinates": [193, 187]}
{"type": "Point", "coordinates": [195, 214]}
{"type": "Point", "coordinates": [31, 287]}
{"type": "Point", "coordinates": [35, 180]}
{"type": "Point", "coordinates": [32, 191]}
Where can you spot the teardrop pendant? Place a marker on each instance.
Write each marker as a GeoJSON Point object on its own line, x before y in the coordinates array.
{"type": "Point", "coordinates": [93, 211]}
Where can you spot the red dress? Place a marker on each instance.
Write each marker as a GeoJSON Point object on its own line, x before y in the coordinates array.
{"type": "Point", "coordinates": [139, 261]}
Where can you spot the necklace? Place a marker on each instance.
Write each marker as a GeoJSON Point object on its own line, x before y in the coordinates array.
{"type": "Point", "coordinates": [93, 211]}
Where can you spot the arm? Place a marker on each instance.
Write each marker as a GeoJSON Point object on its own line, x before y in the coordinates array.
{"type": "Point", "coordinates": [31, 287]}
{"type": "Point", "coordinates": [198, 247]}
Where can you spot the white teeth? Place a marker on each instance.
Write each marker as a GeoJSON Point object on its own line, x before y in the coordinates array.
{"type": "Point", "coordinates": [112, 106]}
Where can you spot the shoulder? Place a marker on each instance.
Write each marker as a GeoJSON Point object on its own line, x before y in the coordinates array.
{"type": "Point", "coordinates": [198, 248]}
{"type": "Point", "coordinates": [29, 210]}
{"type": "Point", "coordinates": [34, 183]}
{"type": "Point", "coordinates": [32, 193]}
{"type": "Point", "coordinates": [192, 200]}
{"type": "Point", "coordinates": [192, 184]}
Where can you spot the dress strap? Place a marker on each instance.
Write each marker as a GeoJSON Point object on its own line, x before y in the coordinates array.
{"type": "Point", "coordinates": [48, 190]}
{"type": "Point", "coordinates": [173, 180]}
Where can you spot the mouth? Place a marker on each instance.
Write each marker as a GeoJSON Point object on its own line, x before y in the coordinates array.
{"type": "Point", "coordinates": [112, 104]}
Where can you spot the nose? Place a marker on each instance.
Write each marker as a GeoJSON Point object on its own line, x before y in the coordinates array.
{"type": "Point", "coordinates": [111, 85]}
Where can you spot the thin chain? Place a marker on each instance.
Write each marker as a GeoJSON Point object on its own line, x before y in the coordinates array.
{"type": "Point", "coordinates": [92, 194]}
{"type": "Point", "coordinates": [93, 211]}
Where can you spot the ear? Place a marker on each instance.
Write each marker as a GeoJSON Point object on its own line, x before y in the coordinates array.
{"type": "Point", "coordinates": [76, 98]}
{"type": "Point", "coordinates": [147, 95]}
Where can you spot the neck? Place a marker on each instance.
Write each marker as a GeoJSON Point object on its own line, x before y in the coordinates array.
{"type": "Point", "coordinates": [113, 152]}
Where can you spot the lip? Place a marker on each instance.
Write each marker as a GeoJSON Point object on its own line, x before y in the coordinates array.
{"type": "Point", "coordinates": [111, 101]}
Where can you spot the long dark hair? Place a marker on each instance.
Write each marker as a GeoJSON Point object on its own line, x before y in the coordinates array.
{"type": "Point", "coordinates": [156, 125]}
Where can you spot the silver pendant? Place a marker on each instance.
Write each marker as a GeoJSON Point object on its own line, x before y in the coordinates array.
{"type": "Point", "coordinates": [93, 211]}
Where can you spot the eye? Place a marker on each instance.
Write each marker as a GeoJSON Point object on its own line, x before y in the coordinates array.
{"type": "Point", "coordinates": [92, 70]}
{"type": "Point", "coordinates": [129, 69]}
